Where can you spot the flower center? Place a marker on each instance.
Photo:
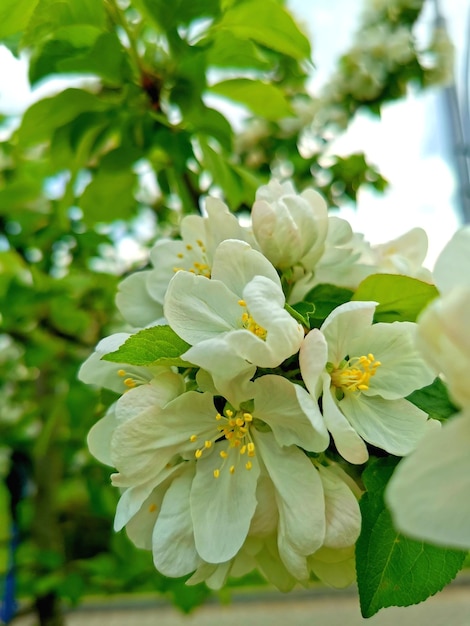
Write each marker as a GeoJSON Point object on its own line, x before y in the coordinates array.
{"type": "Point", "coordinates": [353, 374]}
{"type": "Point", "coordinates": [249, 323]}
{"type": "Point", "coordinates": [200, 267]}
{"type": "Point", "coordinates": [234, 427]}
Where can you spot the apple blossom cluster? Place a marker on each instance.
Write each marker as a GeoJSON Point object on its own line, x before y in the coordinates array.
{"type": "Point", "coordinates": [252, 385]}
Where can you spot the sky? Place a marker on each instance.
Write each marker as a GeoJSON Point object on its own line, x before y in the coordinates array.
{"type": "Point", "coordinates": [408, 144]}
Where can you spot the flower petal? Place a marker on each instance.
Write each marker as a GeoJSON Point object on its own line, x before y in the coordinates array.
{"type": "Point", "coordinates": [272, 567]}
{"type": "Point", "coordinates": [199, 308]}
{"type": "Point", "coordinates": [452, 267]}
{"type": "Point", "coordinates": [142, 502]}
{"type": "Point", "coordinates": [334, 567]}
{"type": "Point", "coordinates": [313, 356]}
{"type": "Point", "coordinates": [99, 437]}
{"type": "Point", "coordinates": [236, 264]}
{"type": "Point", "coordinates": [135, 303]}
{"type": "Point", "coordinates": [174, 551]}
{"type": "Point", "coordinates": [402, 368]}
{"type": "Point", "coordinates": [166, 258]}
{"type": "Point", "coordinates": [143, 445]}
{"type": "Point", "coordinates": [343, 324]}
{"type": "Point", "coordinates": [343, 516]}
{"type": "Point", "coordinates": [277, 403]}
{"type": "Point", "coordinates": [429, 491]}
{"type": "Point", "coordinates": [221, 224]}
{"type": "Point", "coordinates": [222, 508]}
{"type": "Point", "coordinates": [227, 370]}
{"type": "Point", "coordinates": [393, 425]}
{"type": "Point", "coordinates": [349, 444]}
{"type": "Point", "coordinates": [165, 387]}
{"type": "Point", "coordinates": [265, 302]}
{"type": "Point", "coordinates": [444, 340]}
{"type": "Point", "coordinates": [300, 500]}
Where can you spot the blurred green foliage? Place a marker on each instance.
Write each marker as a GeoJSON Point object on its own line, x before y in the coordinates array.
{"type": "Point", "coordinates": [124, 155]}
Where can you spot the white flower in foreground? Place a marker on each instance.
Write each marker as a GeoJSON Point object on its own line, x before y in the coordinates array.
{"type": "Point", "coordinates": [236, 320]}
{"type": "Point", "coordinates": [140, 296]}
{"type": "Point", "coordinates": [452, 267]}
{"type": "Point", "coordinates": [363, 372]}
{"type": "Point", "coordinates": [153, 431]}
{"type": "Point", "coordinates": [444, 340]}
{"type": "Point", "coordinates": [429, 493]}
{"type": "Point", "coordinates": [289, 227]}
{"type": "Point", "coordinates": [443, 327]}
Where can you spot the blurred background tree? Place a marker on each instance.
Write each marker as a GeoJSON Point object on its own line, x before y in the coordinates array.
{"type": "Point", "coordinates": [92, 175]}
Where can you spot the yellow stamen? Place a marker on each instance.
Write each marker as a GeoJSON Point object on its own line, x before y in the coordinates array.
{"type": "Point", "coordinates": [152, 508]}
{"type": "Point", "coordinates": [193, 438]}
{"type": "Point", "coordinates": [130, 382]}
{"type": "Point", "coordinates": [121, 373]}
{"type": "Point", "coordinates": [216, 473]}
{"type": "Point", "coordinates": [242, 302]}
{"type": "Point", "coordinates": [355, 373]}
{"type": "Point", "coordinates": [235, 430]}
{"type": "Point", "coordinates": [198, 454]}
{"type": "Point", "coordinates": [207, 444]}
{"type": "Point", "coordinates": [180, 255]}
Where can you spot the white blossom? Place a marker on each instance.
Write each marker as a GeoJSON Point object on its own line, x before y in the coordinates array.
{"type": "Point", "coordinates": [363, 372]}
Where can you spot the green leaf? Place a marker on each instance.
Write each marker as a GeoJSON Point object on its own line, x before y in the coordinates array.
{"type": "Point", "coordinates": [73, 144]}
{"type": "Point", "coordinates": [43, 117]}
{"type": "Point", "coordinates": [393, 570]}
{"type": "Point", "coordinates": [105, 58]}
{"type": "Point", "coordinates": [230, 51]}
{"type": "Point", "coordinates": [434, 400]}
{"type": "Point", "coordinates": [109, 196]}
{"type": "Point", "coordinates": [158, 344]}
{"type": "Point", "coordinates": [326, 297]}
{"type": "Point", "coordinates": [208, 121]}
{"type": "Point", "coordinates": [222, 173]}
{"type": "Point", "coordinates": [21, 192]}
{"type": "Point", "coordinates": [261, 98]}
{"type": "Point", "coordinates": [53, 15]}
{"type": "Point", "coordinates": [167, 15]}
{"type": "Point", "coordinates": [99, 54]}
{"type": "Point", "coordinates": [400, 297]}
{"type": "Point", "coordinates": [267, 23]}
{"type": "Point", "coordinates": [15, 15]}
